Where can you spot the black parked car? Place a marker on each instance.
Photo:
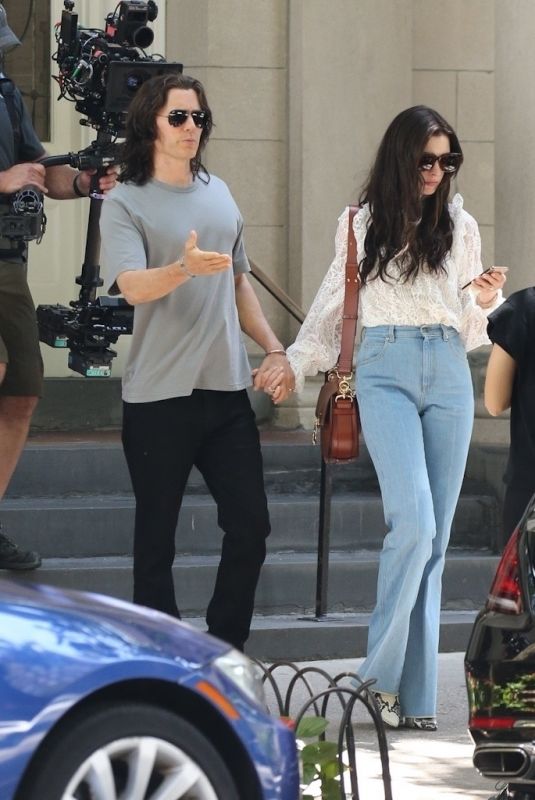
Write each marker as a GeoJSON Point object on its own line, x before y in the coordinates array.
{"type": "Point", "coordinates": [500, 670]}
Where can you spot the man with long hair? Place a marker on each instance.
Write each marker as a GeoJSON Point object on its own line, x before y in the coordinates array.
{"type": "Point", "coordinates": [172, 244]}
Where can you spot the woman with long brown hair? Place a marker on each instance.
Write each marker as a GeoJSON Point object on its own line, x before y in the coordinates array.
{"type": "Point", "coordinates": [422, 306]}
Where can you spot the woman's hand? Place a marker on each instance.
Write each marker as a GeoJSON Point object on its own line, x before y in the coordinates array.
{"type": "Point", "coordinates": [275, 377]}
{"type": "Point", "coordinates": [488, 285]}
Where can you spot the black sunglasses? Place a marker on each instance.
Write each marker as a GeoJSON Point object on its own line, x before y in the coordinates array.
{"type": "Point", "coordinates": [178, 116]}
{"type": "Point", "coordinates": [448, 162]}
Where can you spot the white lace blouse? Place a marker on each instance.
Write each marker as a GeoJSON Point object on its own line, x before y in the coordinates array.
{"type": "Point", "coordinates": [430, 299]}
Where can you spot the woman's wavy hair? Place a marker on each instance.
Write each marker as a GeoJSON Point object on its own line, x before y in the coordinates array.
{"type": "Point", "coordinates": [405, 226]}
{"type": "Point", "coordinates": [137, 152]}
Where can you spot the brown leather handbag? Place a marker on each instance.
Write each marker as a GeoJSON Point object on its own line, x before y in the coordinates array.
{"type": "Point", "coordinates": [337, 413]}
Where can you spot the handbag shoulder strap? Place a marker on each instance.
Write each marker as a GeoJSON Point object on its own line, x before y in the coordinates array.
{"type": "Point", "coordinates": [351, 299]}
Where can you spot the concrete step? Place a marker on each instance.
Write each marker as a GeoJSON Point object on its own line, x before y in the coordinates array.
{"type": "Point", "coordinates": [102, 525]}
{"type": "Point", "coordinates": [297, 638]}
{"type": "Point", "coordinates": [59, 465]}
{"type": "Point", "coordinates": [84, 463]}
{"type": "Point", "coordinates": [71, 499]}
{"type": "Point", "coordinates": [287, 584]}
{"type": "Point", "coordinates": [77, 404]}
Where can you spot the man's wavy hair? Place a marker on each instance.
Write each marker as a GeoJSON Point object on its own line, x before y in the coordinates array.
{"type": "Point", "coordinates": [405, 226]}
{"type": "Point", "coordinates": [137, 152]}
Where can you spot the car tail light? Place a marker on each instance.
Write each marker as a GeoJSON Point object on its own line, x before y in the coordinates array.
{"type": "Point", "coordinates": [505, 594]}
{"type": "Point", "coordinates": [491, 723]}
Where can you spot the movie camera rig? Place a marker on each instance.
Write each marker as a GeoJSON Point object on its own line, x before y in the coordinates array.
{"type": "Point", "coordinates": [100, 71]}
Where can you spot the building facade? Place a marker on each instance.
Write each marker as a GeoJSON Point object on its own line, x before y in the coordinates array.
{"type": "Point", "coordinates": [301, 91]}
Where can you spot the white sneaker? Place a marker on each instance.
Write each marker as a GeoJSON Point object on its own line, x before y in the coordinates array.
{"type": "Point", "coordinates": [389, 708]}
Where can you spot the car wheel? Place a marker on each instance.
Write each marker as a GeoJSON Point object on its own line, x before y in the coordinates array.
{"type": "Point", "coordinates": [131, 750]}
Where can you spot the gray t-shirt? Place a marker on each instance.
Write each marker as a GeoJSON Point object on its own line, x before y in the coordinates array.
{"type": "Point", "coordinates": [191, 338]}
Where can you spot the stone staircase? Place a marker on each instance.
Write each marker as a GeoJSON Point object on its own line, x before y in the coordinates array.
{"type": "Point", "coordinates": [70, 498]}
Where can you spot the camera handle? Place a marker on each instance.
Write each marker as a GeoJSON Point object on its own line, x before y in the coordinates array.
{"type": "Point", "coordinates": [100, 154]}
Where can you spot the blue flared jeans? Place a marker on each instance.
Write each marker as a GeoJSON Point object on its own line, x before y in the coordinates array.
{"type": "Point", "coordinates": [416, 403]}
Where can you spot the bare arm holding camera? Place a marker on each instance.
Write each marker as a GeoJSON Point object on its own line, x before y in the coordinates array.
{"type": "Point", "coordinates": [60, 182]}
{"type": "Point", "coordinates": [55, 182]}
{"type": "Point", "coordinates": [19, 175]}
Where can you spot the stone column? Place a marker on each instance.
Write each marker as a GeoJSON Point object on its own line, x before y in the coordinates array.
{"type": "Point", "coordinates": [238, 49]}
{"type": "Point", "coordinates": [453, 59]}
{"type": "Point", "coordinates": [515, 155]}
{"type": "Point", "coordinates": [349, 74]}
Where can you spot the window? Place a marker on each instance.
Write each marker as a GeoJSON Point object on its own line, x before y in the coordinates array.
{"type": "Point", "coordinates": [29, 66]}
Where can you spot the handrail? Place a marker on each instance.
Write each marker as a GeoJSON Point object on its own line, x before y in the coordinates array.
{"type": "Point", "coordinates": [322, 570]}
{"type": "Point", "coordinates": [279, 295]}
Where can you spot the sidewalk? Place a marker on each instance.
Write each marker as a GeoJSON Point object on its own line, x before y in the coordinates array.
{"type": "Point", "coordinates": [431, 766]}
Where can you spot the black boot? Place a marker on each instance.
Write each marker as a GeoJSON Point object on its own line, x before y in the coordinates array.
{"type": "Point", "coordinates": [12, 557]}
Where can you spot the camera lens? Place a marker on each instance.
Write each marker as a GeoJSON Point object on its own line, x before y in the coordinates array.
{"type": "Point", "coordinates": [143, 37]}
{"type": "Point", "coordinates": [133, 82]}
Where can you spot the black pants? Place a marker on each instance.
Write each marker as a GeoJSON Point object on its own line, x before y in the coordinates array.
{"type": "Point", "coordinates": [216, 432]}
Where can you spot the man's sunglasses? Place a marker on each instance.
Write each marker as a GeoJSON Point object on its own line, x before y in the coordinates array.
{"type": "Point", "coordinates": [448, 162]}
{"type": "Point", "coordinates": [178, 116]}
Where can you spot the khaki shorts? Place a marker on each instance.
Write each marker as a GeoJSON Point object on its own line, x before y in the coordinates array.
{"type": "Point", "coordinates": [19, 337]}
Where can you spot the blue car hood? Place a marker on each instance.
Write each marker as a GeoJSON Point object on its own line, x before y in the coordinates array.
{"type": "Point", "coordinates": [81, 625]}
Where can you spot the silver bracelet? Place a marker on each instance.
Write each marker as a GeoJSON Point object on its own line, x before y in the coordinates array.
{"type": "Point", "coordinates": [185, 269]}
{"type": "Point", "coordinates": [270, 352]}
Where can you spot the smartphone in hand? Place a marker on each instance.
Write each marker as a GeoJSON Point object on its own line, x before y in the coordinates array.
{"type": "Point", "coordinates": [503, 270]}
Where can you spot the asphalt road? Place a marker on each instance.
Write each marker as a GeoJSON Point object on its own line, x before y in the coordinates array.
{"type": "Point", "coordinates": [423, 766]}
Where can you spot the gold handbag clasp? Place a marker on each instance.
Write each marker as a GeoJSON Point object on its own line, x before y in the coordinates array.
{"type": "Point", "coordinates": [345, 392]}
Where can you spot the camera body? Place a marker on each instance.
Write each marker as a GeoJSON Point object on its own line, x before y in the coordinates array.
{"type": "Point", "coordinates": [87, 331]}
{"type": "Point", "coordinates": [130, 24]}
{"type": "Point", "coordinates": [101, 70]}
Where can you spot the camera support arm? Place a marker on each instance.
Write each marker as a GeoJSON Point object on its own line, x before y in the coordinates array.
{"type": "Point", "coordinates": [91, 323]}
{"type": "Point", "coordinates": [85, 159]}
{"type": "Point", "coordinates": [100, 154]}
